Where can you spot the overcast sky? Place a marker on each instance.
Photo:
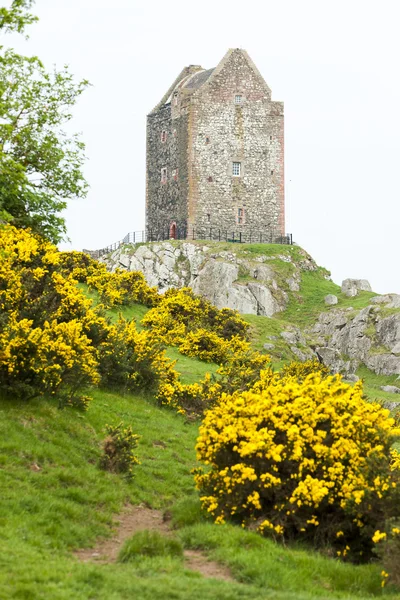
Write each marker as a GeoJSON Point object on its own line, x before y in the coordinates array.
{"type": "Point", "coordinates": [335, 64]}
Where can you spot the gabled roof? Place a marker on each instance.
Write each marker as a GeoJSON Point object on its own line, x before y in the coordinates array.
{"type": "Point", "coordinates": [221, 65]}
{"type": "Point", "coordinates": [197, 80]}
{"type": "Point", "coordinates": [193, 78]}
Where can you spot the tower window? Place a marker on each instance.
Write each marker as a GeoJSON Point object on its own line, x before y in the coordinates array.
{"type": "Point", "coordinates": [207, 140]}
{"type": "Point", "coordinates": [240, 216]}
{"type": "Point", "coordinates": [208, 217]}
{"type": "Point", "coordinates": [236, 169]}
{"type": "Point", "coordinates": [210, 179]}
{"type": "Point", "coordinates": [163, 136]}
{"type": "Point", "coordinates": [238, 99]}
{"type": "Point", "coordinates": [270, 137]}
{"type": "Point", "coordinates": [164, 175]}
{"type": "Point", "coordinates": [272, 172]}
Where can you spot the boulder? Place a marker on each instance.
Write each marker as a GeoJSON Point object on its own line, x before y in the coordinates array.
{"type": "Point", "coordinates": [333, 359]}
{"type": "Point", "coordinates": [331, 300]}
{"type": "Point", "coordinates": [351, 287]}
{"type": "Point", "coordinates": [269, 346]}
{"type": "Point", "coordinates": [392, 389]}
{"type": "Point", "coordinates": [391, 300]}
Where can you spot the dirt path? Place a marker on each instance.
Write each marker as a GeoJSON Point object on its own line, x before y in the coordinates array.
{"type": "Point", "coordinates": [137, 518]}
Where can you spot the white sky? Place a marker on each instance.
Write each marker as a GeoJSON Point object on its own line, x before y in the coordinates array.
{"type": "Point", "coordinates": [335, 64]}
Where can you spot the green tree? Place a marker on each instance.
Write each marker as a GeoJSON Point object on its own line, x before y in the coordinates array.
{"type": "Point", "coordinates": [40, 165]}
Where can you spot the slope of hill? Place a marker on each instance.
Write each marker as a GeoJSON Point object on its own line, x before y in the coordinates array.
{"type": "Point", "coordinates": [281, 291]}
{"type": "Point", "coordinates": [55, 500]}
{"type": "Point", "coordinates": [58, 506]}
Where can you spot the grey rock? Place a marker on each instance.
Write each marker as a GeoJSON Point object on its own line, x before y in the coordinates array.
{"type": "Point", "coordinates": [214, 276]}
{"type": "Point", "coordinates": [331, 300]}
{"type": "Point", "coordinates": [383, 364]}
{"type": "Point", "coordinates": [293, 336]}
{"type": "Point", "coordinates": [332, 358]}
{"type": "Point", "coordinates": [301, 355]}
{"type": "Point", "coordinates": [388, 331]}
{"type": "Point", "coordinates": [391, 405]}
{"type": "Point", "coordinates": [352, 378]}
{"type": "Point", "coordinates": [391, 300]}
{"type": "Point", "coordinates": [293, 284]}
{"type": "Point", "coordinates": [269, 346]}
{"type": "Point", "coordinates": [351, 287]}
{"type": "Point", "coordinates": [392, 389]}
{"type": "Point", "coordinates": [396, 348]}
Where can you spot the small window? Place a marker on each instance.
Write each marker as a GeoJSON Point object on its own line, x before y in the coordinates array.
{"type": "Point", "coordinates": [240, 216]}
{"type": "Point", "coordinates": [270, 137]}
{"type": "Point", "coordinates": [236, 169]}
{"type": "Point", "coordinates": [174, 133]}
{"type": "Point", "coordinates": [163, 136]}
{"type": "Point", "coordinates": [272, 172]}
{"type": "Point", "coordinates": [164, 175]}
{"type": "Point", "coordinates": [208, 217]}
{"type": "Point", "coordinates": [238, 99]}
{"type": "Point", "coordinates": [207, 140]}
{"type": "Point", "coordinates": [175, 174]}
{"type": "Point", "coordinates": [210, 179]}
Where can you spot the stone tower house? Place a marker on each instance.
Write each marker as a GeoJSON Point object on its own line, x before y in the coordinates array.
{"type": "Point", "coordinates": [215, 154]}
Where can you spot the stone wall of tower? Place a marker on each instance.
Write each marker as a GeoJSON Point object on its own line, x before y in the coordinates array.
{"type": "Point", "coordinates": [251, 133]}
{"type": "Point", "coordinates": [166, 203]}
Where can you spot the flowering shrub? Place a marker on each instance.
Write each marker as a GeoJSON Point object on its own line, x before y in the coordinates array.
{"type": "Point", "coordinates": [209, 347]}
{"type": "Point", "coordinates": [118, 449]}
{"type": "Point", "coordinates": [191, 399]}
{"type": "Point", "coordinates": [130, 359]}
{"type": "Point", "coordinates": [300, 370]}
{"type": "Point", "coordinates": [300, 459]}
{"type": "Point", "coordinates": [45, 324]}
{"type": "Point", "coordinates": [181, 311]}
{"type": "Point", "coordinates": [118, 288]}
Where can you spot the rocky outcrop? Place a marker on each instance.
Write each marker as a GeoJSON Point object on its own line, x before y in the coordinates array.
{"type": "Point", "coordinates": [344, 339]}
{"type": "Point", "coordinates": [351, 287]}
{"type": "Point", "coordinates": [248, 285]}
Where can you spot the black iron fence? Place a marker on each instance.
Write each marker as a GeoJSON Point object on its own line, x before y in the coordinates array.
{"type": "Point", "coordinates": [197, 233]}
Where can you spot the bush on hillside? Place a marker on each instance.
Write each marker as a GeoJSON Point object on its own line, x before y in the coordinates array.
{"type": "Point", "coordinates": [46, 323]}
{"type": "Point", "coordinates": [306, 460]}
{"type": "Point", "coordinates": [300, 370]}
{"type": "Point", "coordinates": [119, 449]}
{"type": "Point", "coordinates": [51, 339]}
{"type": "Point", "coordinates": [114, 289]}
{"type": "Point", "coordinates": [181, 311]}
{"type": "Point", "coordinates": [133, 360]}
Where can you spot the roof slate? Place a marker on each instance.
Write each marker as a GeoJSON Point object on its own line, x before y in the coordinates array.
{"type": "Point", "coordinates": [198, 80]}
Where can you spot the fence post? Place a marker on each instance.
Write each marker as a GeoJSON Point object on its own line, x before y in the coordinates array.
{"type": "Point", "coordinates": [240, 236]}
{"type": "Point", "coordinates": [219, 235]}
{"type": "Point", "coordinates": [193, 232]}
{"type": "Point", "coordinates": [210, 233]}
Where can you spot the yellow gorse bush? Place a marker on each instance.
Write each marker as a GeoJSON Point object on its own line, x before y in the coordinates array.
{"type": "Point", "coordinates": [301, 459]}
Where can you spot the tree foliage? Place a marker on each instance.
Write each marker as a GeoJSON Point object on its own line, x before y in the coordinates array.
{"type": "Point", "coordinates": [40, 164]}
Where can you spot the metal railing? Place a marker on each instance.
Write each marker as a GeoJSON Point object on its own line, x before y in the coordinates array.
{"type": "Point", "coordinates": [196, 233]}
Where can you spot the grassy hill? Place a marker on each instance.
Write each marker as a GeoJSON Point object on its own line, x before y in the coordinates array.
{"type": "Point", "coordinates": [56, 500]}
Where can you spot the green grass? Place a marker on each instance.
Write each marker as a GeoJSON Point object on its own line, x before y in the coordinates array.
{"type": "Point", "coordinates": [305, 306]}
{"type": "Point", "coordinates": [190, 369]}
{"type": "Point", "coordinates": [149, 543]}
{"type": "Point", "coordinates": [55, 498]}
{"type": "Point", "coordinates": [373, 383]}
